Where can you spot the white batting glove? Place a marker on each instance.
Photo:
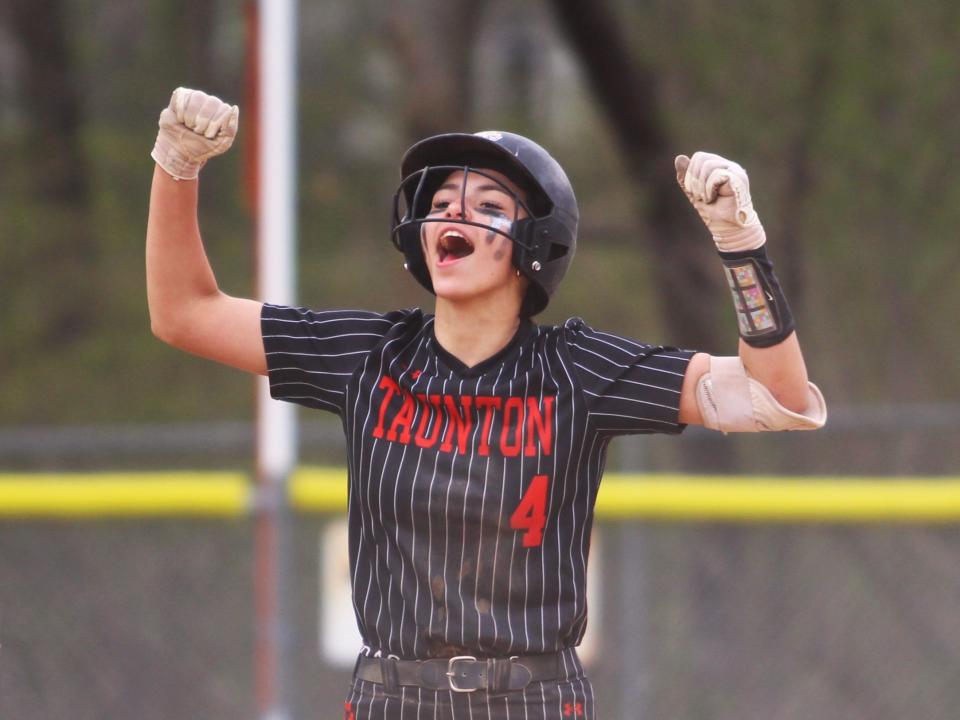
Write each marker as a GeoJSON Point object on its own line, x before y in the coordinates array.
{"type": "Point", "coordinates": [193, 128]}
{"type": "Point", "coordinates": [719, 191]}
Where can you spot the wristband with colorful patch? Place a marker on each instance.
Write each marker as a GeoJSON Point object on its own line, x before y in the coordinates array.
{"type": "Point", "coordinates": [762, 311]}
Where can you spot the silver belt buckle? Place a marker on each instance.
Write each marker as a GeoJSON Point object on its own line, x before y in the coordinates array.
{"type": "Point", "coordinates": [452, 673]}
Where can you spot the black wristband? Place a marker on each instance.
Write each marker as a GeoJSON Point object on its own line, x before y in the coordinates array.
{"type": "Point", "coordinates": [763, 314]}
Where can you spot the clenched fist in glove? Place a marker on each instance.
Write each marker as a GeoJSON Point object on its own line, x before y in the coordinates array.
{"type": "Point", "coordinates": [719, 191]}
{"type": "Point", "coordinates": [193, 128]}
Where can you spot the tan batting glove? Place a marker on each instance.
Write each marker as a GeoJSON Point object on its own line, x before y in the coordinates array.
{"type": "Point", "coordinates": [193, 128]}
{"type": "Point", "coordinates": [719, 191]}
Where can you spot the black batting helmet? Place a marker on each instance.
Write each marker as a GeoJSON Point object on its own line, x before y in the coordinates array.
{"type": "Point", "coordinates": [543, 242]}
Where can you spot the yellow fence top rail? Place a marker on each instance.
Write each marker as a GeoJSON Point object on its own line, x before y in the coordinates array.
{"type": "Point", "coordinates": [621, 496]}
{"type": "Point", "coordinates": [101, 495]}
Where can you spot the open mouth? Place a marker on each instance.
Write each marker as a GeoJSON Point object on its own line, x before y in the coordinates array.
{"type": "Point", "coordinates": [453, 245]}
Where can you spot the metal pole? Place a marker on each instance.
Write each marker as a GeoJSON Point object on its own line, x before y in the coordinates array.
{"type": "Point", "coordinates": [634, 618]}
{"type": "Point", "coordinates": [276, 422]}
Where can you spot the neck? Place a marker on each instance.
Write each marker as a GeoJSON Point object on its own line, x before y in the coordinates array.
{"type": "Point", "coordinates": [475, 330]}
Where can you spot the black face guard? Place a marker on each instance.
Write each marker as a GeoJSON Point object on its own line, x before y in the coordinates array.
{"type": "Point", "coordinates": [412, 204]}
{"type": "Point", "coordinates": [543, 243]}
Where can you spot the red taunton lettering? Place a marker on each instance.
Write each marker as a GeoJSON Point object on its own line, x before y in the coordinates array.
{"type": "Point", "coordinates": [522, 424]}
{"type": "Point", "coordinates": [488, 403]}
{"type": "Point", "coordinates": [390, 385]}
{"type": "Point", "coordinates": [512, 423]}
{"type": "Point", "coordinates": [461, 423]}
{"type": "Point", "coordinates": [425, 416]}
{"type": "Point", "coordinates": [403, 419]}
{"type": "Point", "coordinates": [539, 425]}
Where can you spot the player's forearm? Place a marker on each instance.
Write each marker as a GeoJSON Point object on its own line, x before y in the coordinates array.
{"type": "Point", "coordinates": [781, 370]}
{"type": "Point", "coordinates": [766, 386]}
{"type": "Point", "coordinates": [179, 275]}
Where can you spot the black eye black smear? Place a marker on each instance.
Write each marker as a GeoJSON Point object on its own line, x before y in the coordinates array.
{"type": "Point", "coordinates": [501, 252]}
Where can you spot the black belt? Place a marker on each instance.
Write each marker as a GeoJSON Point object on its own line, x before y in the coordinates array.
{"type": "Point", "coordinates": [463, 673]}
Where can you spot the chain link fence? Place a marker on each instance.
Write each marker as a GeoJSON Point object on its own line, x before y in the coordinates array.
{"type": "Point", "coordinates": [136, 618]}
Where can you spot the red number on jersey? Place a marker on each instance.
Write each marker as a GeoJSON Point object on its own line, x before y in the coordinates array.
{"type": "Point", "coordinates": [531, 513]}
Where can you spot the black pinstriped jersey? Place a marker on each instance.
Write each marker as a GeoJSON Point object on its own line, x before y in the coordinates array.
{"type": "Point", "coordinates": [471, 490]}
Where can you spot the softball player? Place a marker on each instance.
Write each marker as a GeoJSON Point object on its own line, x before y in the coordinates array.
{"type": "Point", "coordinates": [476, 438]}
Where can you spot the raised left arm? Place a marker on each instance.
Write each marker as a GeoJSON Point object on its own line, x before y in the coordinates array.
{"type": "Point", "coordinates": [766, 386]}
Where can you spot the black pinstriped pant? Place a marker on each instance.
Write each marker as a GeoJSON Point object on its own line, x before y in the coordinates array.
{"type": "Point", "coordinates": [570, 698]}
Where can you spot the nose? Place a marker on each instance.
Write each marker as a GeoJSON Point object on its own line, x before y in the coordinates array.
{"type": "Point", "coordinates": [455, 208]}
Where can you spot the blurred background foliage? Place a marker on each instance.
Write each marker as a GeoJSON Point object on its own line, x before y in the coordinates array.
{"type": "Point", "coordinates": [843, 115]}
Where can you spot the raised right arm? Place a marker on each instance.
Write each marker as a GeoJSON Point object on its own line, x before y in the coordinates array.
{"type": "Point", "coordinates": [187, 308]}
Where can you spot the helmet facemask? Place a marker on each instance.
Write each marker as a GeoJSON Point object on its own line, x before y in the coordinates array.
{"type": "Point", "coordinates": [413, 209]}
{"type": "Point", "coordinates": [543, 242]}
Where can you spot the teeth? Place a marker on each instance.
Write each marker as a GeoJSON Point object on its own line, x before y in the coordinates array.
{"type": "Point", "coordinates": [453, 242]}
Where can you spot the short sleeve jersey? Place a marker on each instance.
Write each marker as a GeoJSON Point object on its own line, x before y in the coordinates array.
{"type": "Point", "coordinates": [471, 490]}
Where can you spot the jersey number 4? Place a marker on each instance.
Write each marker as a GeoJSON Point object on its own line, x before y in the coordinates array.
{"type": "Point", "coordinates": [531, 513]}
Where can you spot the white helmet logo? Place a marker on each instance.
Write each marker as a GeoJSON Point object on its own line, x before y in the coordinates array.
{"type": "Point", "coordinates": [490, 135]}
